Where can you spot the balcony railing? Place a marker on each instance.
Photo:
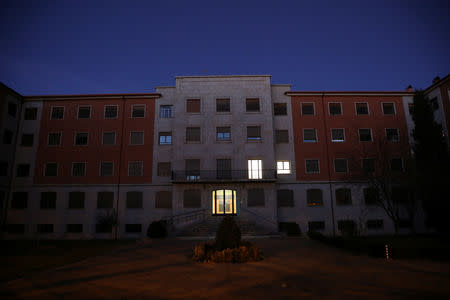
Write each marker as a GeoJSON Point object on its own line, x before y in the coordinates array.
{"type": "Point", "coordinates": [224, 175]}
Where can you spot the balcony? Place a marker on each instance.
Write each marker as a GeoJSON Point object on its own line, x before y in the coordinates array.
{"type": "Point", "coordinates": [202, 176]}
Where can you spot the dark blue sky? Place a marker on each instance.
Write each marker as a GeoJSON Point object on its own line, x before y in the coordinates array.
{"type": "Point", "coordinates": [67, 47]}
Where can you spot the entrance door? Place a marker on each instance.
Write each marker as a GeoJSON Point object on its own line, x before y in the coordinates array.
{"type": "Point", "coordinates": [223, 202]}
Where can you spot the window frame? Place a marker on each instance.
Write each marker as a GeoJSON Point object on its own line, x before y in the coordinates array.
{"type": "Point", "coordinates": [165, 138]}
{"type": "Point", "coordinates": [217, 134]}
{"type": "Point", "coordinates": [313, 106]}
{"type": "Point", "coordinates": [402, 163]}
{"type": "Point", "coordinates": [397, 136]}
{"type": "Point", "coordinates": [138, 105]}
{"type": "Point", "coordinates": [161, 174]}
{"type": "Point", "coordinates": [100, 169]}
{"type": "Point", "coordinates": [346, 165]}
{"type": "Point", "coordinates": [192, 99]}
{"type": "Point", "coordinates": [75, 139]}
{"type": "Point", "coordinates": [256, 139]}
{"type": "Point", "coordinates": [258, 170]}
{"type": "Point", "coordinates": [280, 104]}
{"type": "Point", "coordinates": [318, 164]}
{"type": "Point", "coordinates": [253, 111]}
{"type": "Point", "coordinates": [78, 162]}
{"type": "Point", "coordinates": [369, 159]}
{"type": "Point", "coordinates": [84, 106]}
{"type": "Point", "coordinates": [334, 140]}
{"type": "Point", "coordinates": [103, 138]}
{"type": "Point", "coordinates": [199, 135]}
{"type": "Point", "coordinates": [22, 140]}
{"type": "Point", "coordinates": [161, 110]}
{"type": "Point", "coordinates": [60, 139]}
{"type": "Point", "coordinates": [104, 111]}
{"type": "Point", "coordinates": [340, 106]}
{"type": "Point", "coordinates": [283, 162]}
{"type": "Point", "coordinates": [371, 135]}
{"type": "Point", "coordinates": [45, 169]}
{"type": "Point", "coordinates": [356, 108]}
{"type": "Point", "coordinates": [35, 113]}
{"type": "Point", "coordinates": [316, 140]}
{"type": "Point", "coordinates": [311, 203]}
{"type": "Point", "coordinates": [141, 168]}
{"type": "Point", "coordinates": [393, 105]}
{"type": "Point", "coordinates": [130, 139]}
{"type": "Point", "coordinates": [57, 106]}
{"type": "Point", "coordinates": [229, 105]}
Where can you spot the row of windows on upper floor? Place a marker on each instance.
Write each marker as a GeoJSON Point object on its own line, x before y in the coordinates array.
{"type": "Point", "coordinates": [335, 108]}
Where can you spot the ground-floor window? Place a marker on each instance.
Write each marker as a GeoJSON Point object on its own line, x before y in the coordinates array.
{"type": "Point", "coordinates": [223, 202]}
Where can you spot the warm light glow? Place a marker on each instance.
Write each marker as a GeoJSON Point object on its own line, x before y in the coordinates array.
{"type": "Point", "coordinates": [254, 169]}
{"type": "Point", "coordinates": [283, 167]}
{"type": "Point", "coordinates": [224, 202]}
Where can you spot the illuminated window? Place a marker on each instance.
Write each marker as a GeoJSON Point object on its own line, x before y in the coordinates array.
{"type": "Point", "coordinates": [337, 135]}
{"type": "Point", "coordinates": [165, 111]}
{"type": "Point", "coordinates": [223, 202]}
{"type": "Point", "coordinates": [223, 133]}
{"type": "Point", "coordinates": [165, 138]}
{"type": "Point", "coordinates": [314, 197]}
{"type": "Point", "coordinates": [283, 167]}
{"type": "Point", "coordinates": [254, 169]}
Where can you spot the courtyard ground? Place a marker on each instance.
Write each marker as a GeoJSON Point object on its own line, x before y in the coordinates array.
{"type": "Point", "coordinates": [293, 268]}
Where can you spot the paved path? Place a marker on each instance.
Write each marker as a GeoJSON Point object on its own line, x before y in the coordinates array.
{"type": "Point", "coordinates": [293, 269]}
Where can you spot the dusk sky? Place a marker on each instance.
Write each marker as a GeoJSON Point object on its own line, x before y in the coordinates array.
{"type": "Point", "coordinates": [75, 47]}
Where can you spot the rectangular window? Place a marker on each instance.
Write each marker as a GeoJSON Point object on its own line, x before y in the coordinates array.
{"type": "Point", "coordinates": [223, 133]}
{"type": "Point", "coordinates": [335, 108]}
{"type": "Point", "coordinates": [138, 111]}
{"type": "Point", "coordinates": [111, 111]}
{"type": "Point", "coordinates": [165, 138]}
{"type": "Point", "coordinates": [134, 199]}
{"type": "Point", "coordinates": [347, 227]}
{"type": "Point", "coordinates": [283, 167]}
{"type": "Point", "coordinates": [392, 135]}
{"type": "Point", "coordinates": [84, 112]}
{"type": "Point", "coordinates": [30, 113]}
{"type": "Point", "coordinates": [163, 199]}
{"type": "Point", "coordinates": [51, 169]}
{"type": "Point", "coordinates": [45, 228]}
{"type": "Point", "coordinates": [192, 134]}
{"type": "Point", "coordinates": [105, 199]}
{"type": "Point", "coordinates": [222, 105]}
{"type": "Point", "coordinates": [7, 137]}
{"type": "Point", "coordinates": [314, 197]}
{"type": "Point", "coordinates": [316, 226]}
{"type": "Point", "coordinates": [3, 168]}
{"type": "Point", "coordinates": [23, 170]}
{"type": "Point", "coordinates": [27, 140]}
{"type": "Point", "coordinates": [308, 109]}
{"type": "Point", "coordinates": [133, 228]}
{"type": "Point", "coordinates": [371, 196]}
{"type": "Point", "coordinates": [78, 169]}
{"type": "Point", "coordinates": [76, 200]}
{"type": "Point", "coordinates": [388, 108]}
{"type": "Point", "coordinates": [165, 111]}
{"type": "Point", "coordinates": [136, 138]}
{"type": "Point", "coordinates": [252, 105]}
{"type": "Point", "coordinates": [193, 105]}
{"type": "Point", "coordinates": [164, 169]}
{"type": "Point", "coordinates": [192, 167]}
{"type": "Point", "coordinates": [374, 224]}
{"type": "Point", "coordinates": [368, 165]}
{"type": "Point", "coordinates": [254, 169]}
{"type": "Point", "coordinates": [285, 198]}
{"type": "Point", "coordinates": [362, 108]}
{"type": "Point", "coordinates": [19, 200]}
{"type": "Point", "coordinates": [81, 138]}
{"type": "Point", "coordinates": [343, 197]}
{"type": "Point", "coordinates": [280, 109]}
{"type": "Point", "coordinates": [74, 228]}
{"type": "Point", "coordinates": [255, 197]}
{"type": "Point", "coordinates": [312, 166]}
{"type": "Point", "coordinates": [106, 168]}
{"type": "Point", "coordinates": [309, 136]}
{"type": "Point", "coordinates": [109, 138]}
{"type": "Point", "coordinates": [340, 165]}
{"type": "Point", "coordinates": [15, 228]}
{"type": "Point", "coordinates": [253, 133]}
{"type": "Point", "coordinates": [48, 200]}
{"type": "Point", "coordinates": [103, 228]}
{"type": "Point", "coordinates": [54, 139]}
{"type": "Point", "coordinates": [223, 167]}
{"type": "Point", "coordinates": [192, 199]}
{"type": "Point", "coordinates": [57, 113]}
{"type": "Point", "coordinates": [411, 108]}
{"type": "Point", "coordinates": [12, 109]}
{"type": "Point", "coordinates": [135, 168]}
{"type": "Point", "coordinates": [337, 135]}
{"type": "Point", "coordinates": [365, 134]}
{"type": "Point", "coordinates": [396, 164]}
{"type": "Point", "coordinates": [281, 136]}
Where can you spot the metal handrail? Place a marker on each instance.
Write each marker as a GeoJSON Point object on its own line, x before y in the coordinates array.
{"type": "Point", "coordinates": [259, 216]}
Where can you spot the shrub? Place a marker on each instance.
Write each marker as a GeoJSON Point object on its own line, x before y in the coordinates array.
{"type": "Point", "coordinates": [157, 229]}
{"type": "Point", "coordinates": [248, 252]}
{"type": "Point", "coordinates": [228, 235]}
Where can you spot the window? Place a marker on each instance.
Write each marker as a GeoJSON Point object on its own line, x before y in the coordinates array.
{"type": "Point", "coordinates": [76, 200]}
{"type": "Point", "coordinates": [309, 136]}
{"type": "Point", "coordinates": [74, 228]}
{"type": "Point", "coordinates": [51, 169]}
{"type": "Point", "coordinates": [84, 112]}
{"type": "Point", "coordinates": [388, 108]}
{"type": "Point", "coordinates": [54, 139]}
{"type": "Point", "coordinates": [314, 197]}
{"type": "Point", "coordinates": [340, 165]}
{"type": "Point", "coordinates": [23, 170]}
{"type": "Point", "coordinates": [411, 108]}
{"type": "Point", "coordinates": [105, 199]}
{"type": "Point", "coordinates": [223, 133]}
{"type": "Point", "coordinates": [308, 109]}
{"type": "Point", "coordinates": [103, 228]}
{"type": "Point", "coordinates": [192, 169]}
{"type": "Point", "coordinates": [19, 200]}
{"type": "Point", "coordinates": [111, 111]}
{"type": "Point", "coordinates": [222, 105]}
{"type": "Point", "coordinates": [165, 138]}
{"type": "Point", "coordinates": [255, 197]}
{"type": "Point", "coordinates": [7, 137]}
{"type": "Point", "coordinates": [254, 169]}
{"type": "Point", "coordinates": [252, 105]}
{"type": "Point", "coordinates": [337, 135]}
{"type": "Point", "coordinates": [192, 199]}
{"type": "Point", "coordinates": [134, 199]}
{"type": "Point", "coordinates": [48, 200]}
{"type": "Point", "coordinates": [365, 134]}
{"type": "Point", "coordinates": [396, 164]}
{"type": "Point", "coordinates": [283, 167]}
{"type": "Point", "coordinates": [347, 227]}
{"type": "Point", "coordinates": [45, 228]}
{"type": "Point", "coordinates": [109, 138]}
{"type": "Point", "coordinates": [12, 109]}
{"type": "Point", "coordinates": [78, 169]}
{"type": "Point", "coordinates": [223, 167]}
{"type": "Point", "coordinates": [3, 168]}
{"type": "Point", "coordinates": [368, 165]}
{"type": "Point", "coordinates": [343, 196]}
{"type": "Point", "coordinates": [316, 226]}
{"type": "Point", "coordinates": [285, 198]}
{"type": "Point", "coordinates": [192, 134]}
{"type": "Point", "coordinates": [163, 199]}
{"type": "Point", "coordinates": [392, 135]}
{"type": "Point", "coordinates": [223, 202]}
{"type": "Point", "coordinates": [30, 113]}
{"type": "Point", "coordinates": [371, 196]}
{"type": "Point", "coordinates": [434, 103]}
{"type": "Point", "coordinates": [374, 224]}
{"type": "Point", "coordinates": [253, 133]}
{"type": "Point", "coordinates": [164, 169]}
{"type": "Point", "coordinates": [362, 108]}
{"type": "Point", "coordinates": [57, 113]}
{"type": "Point", "coordinates": [15, 228]}
{"type": "Point", "coordinates": [106, 168]}
{"type": "Point", "coordinates": [133, 228]}
{"type": "Point", "coordinates": [193, 105]}
{"type": "Point", "coordinates": [135, 168]}
{"type": "Point", "coordinates": [165, 111]}
{"type": "Point", "coordinates": [280, 109]}
{"type": "Point", "coordinates": [81, 139]}
{"type": "Point", "coordinates": [312, 166]}
{"type": "Point", "coordinates": [27, 140]}
{"type": "Point", "coordinates": [136, 138]}
{"type": "Point", "coordinates": [281, 136]}
{"type": "Point", "coordinates": [335, 108]}
{"type": "Point", "coordinates": [138, 111]}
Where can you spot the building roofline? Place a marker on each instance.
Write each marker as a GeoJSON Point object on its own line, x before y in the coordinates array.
{"type": "Point", "coordinates": [434, 85]}
{"type": "Point", "coordinates": [10, 90]}
{"type": "Point", "coordinates": [91, 96]}
{"type": "Point", "coordinates": [352, 93]}
{"type": "Point", "coordinates": [281, 84]}
{"type": "Point", "coordinates": [221, 76]}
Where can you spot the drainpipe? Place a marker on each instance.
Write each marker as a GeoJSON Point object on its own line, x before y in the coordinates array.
{"type": "Point", "coordinates": [120, 163]}
{"type": "Point", "coordinates": [328, 163]}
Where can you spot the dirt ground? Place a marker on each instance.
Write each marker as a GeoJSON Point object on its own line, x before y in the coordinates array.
{"type": "Point", "coordinates": [293, 268]}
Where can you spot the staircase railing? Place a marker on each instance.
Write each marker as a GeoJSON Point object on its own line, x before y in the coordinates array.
{"type": "Point", "coordinates": [259, 216]}
{"type": "Point", "coordinates": [185, 217]}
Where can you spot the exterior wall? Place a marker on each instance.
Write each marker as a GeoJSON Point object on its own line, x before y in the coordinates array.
{"type": "Point", "coordinates": [441, 91]}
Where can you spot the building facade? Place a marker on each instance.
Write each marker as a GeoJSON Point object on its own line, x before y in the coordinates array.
{"type": "Point", "coordinates": [207, 147]}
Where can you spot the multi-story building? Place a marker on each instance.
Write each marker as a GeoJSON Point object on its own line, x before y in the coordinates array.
{"type": "Point", "coordinates": [207, 147]}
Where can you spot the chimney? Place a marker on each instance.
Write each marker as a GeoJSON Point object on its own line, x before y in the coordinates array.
{"type": "Point", "coordinates": [436, 79]}
{"type": "Point", "coordinates": [409, 89]}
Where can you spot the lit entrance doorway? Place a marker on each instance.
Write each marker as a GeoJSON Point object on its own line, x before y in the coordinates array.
{"type": "Point", "coordinates": [224, 202]}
